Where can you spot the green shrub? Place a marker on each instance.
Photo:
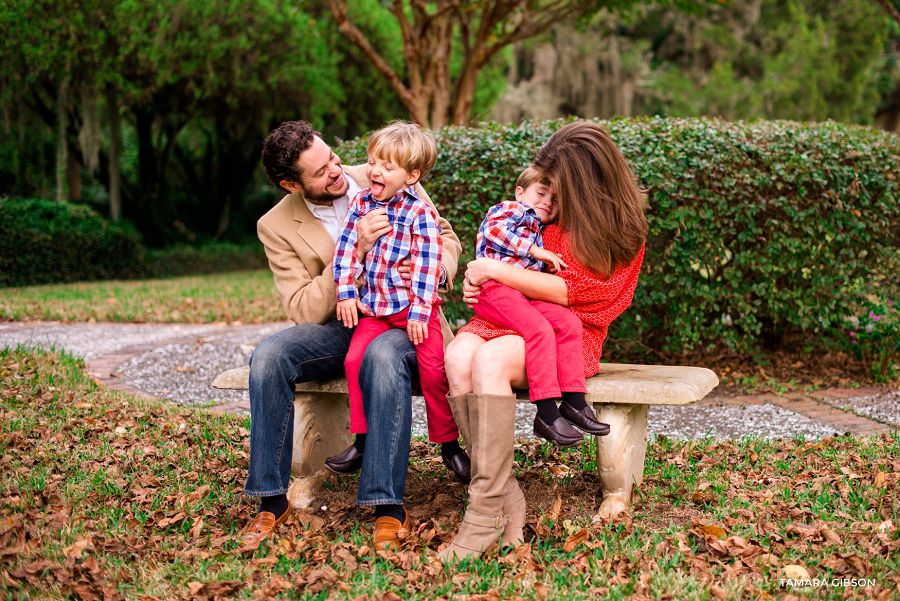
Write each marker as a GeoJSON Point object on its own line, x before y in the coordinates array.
{"type": "Point", "coordinates": [218, 257]}
{"type": "Point", "coordinates": [757, 230]}
{"type": "Point", "coordinates": [43, 241]}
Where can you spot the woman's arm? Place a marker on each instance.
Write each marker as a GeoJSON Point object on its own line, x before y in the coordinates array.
{"type": "Point", "coordinates": [533, 284]}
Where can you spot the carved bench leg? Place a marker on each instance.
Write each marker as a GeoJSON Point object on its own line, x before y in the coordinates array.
{"type": "Point", "coordinates": [620, 455]}
{"type": "Point", "coordinates": [321, 429]}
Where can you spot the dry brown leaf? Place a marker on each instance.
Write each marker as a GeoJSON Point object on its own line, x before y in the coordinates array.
{"type": "Point", "coordinates": [576, 539]}
{"type": "Point", "coordinates": [557, 507]}
{"type": "Point", "coordinates": [318, 580]}
{"type": "Point", "coordinates": [76, 549]}
{"type": "Point", "coordinates": [711, 530]}
{"type": "Point", "coordinates": [540, 591]}
{"type": "Point", "coordinates": [796, 572]}
{"type": "Point", "coordinates": [831, 536]}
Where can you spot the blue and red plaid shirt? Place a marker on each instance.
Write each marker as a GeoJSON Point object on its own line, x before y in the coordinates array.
{"type": "Point", "coordinates": [416, 236]}
{"type": "Point", "coordinates": [508, 232]}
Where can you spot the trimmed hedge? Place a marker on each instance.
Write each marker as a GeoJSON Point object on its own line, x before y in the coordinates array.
{"type": "Point", "coordinates": [757, 230]}
{"type": "Point", "coordinates": [44, 242]}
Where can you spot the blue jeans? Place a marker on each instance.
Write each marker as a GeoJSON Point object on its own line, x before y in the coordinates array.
{"type": "Point", "coordinates": [308, 352]}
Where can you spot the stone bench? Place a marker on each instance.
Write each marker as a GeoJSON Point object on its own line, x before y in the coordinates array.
{"type": "Point", "coordinates": [621, 395]}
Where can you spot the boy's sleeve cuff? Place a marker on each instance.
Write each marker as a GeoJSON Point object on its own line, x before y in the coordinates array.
{"type": "Point", "coordinates": [344, 292]}
{"type": "Point", "coordinates": [419, 313]}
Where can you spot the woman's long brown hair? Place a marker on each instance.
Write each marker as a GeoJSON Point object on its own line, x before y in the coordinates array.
{"type": "Point", "coordinates": [600, 204]}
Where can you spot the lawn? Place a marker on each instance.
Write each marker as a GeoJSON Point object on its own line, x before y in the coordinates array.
{"type": "Point", "coordinates": [250, 297]}
{"type": "Point", "coordinates": [104, 496]}
{"type": "Point", "coordinates": [244, 296]}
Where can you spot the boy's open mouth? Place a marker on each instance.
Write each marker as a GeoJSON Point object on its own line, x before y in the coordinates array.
{"type": "Point", "coordinates": [377, 188]}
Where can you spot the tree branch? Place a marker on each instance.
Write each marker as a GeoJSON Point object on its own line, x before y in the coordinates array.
{"type": "Point", "coordinates": [355, 36]}
{"type": "Point", "coordinates": [890, 9]}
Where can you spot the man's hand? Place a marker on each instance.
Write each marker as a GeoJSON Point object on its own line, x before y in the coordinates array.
{"type": "Point", "coordinates": [404, 268]}
{"type": "Point", "coordinates": [347, 311]}
{"type": "Point", "coordinates": [551, 258]}
{"type": "Point", "coordinates": [370, 227]}
{"type": "Point", "coordinates": [417, 331]}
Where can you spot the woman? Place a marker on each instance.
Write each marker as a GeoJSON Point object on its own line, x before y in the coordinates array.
{"type": "Point", "coordinates": [600, 234]}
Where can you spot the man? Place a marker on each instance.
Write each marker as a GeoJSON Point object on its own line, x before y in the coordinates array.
{"type": "Point", "coordinates": [299, 235]}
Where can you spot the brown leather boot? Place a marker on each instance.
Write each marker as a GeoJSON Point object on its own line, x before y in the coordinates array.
{"type": "Point", "coordinates": [492, 421]}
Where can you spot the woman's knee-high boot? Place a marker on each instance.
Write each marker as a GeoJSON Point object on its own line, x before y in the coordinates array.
{"type": "Point", "coordinates": [492, 420]}
{"type": "Point", "coordinates": [513, 497]}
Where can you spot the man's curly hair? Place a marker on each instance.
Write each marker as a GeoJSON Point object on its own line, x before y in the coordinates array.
{"type": "Point", "coordinates": [282, 150]}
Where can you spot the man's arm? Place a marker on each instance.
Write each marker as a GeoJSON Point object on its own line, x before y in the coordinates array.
{"type": "Point", "coordinates": [451, 246]}
{"type": "Point", "coordinates": [306, 297]}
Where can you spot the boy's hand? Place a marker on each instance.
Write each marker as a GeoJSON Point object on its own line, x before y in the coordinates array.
{"type": "Point", "coordinates": [417, 330]}
{"type": "Point", "coordinates": [551, 258]}
{"type": "Point", "coordinates": [347, 311]}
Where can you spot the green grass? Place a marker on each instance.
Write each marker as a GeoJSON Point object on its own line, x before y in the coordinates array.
{"type": "Point", "coordinates": [245, 296]}
{"type": "Point", "coordinates": [103, 495]}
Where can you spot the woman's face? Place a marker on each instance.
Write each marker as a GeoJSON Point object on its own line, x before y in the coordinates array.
{"type": "Point", "coordinates": [541, 198]}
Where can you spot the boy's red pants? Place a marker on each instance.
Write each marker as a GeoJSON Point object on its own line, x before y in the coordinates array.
{"type": "Point", "coordinates": [432, 377]}
{"type": "Point", "coordinates": [554, 360]}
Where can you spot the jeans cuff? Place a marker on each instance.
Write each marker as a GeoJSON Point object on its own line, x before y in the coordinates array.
{"type": "Point", "coordinates": [375, 502]}
{"type": "Point", "coordinates": [265, 493]}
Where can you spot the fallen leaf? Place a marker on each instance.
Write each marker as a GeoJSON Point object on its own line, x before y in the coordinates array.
{"type": "Point", "coordinates": [576, 539]}
{"type": "Point", "coordinates": [75, 550]}
{"type": "Point", "coordinates": [557, 507]}
{"type": "Point", "coordinates": [796, 572]}
{"type": "Point", "coordinates": [711, 530]}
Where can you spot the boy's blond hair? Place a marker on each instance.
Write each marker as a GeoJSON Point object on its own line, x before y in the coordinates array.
{"type": "Point", "coordinates": [409, 145]}
{"type": "Point", "coordinates": [532, 176]}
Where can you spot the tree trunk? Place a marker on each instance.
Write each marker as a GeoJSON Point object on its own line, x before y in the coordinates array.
{"type": "Point", "coordinates": [73, 177]}
{"type": "Point", "coordinates": [115, 154]}
{"type": "Point", "coordinates": [62, 146]}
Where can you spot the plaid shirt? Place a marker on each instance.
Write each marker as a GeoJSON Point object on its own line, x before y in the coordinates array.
{"type": "Point", "coordinates": [416, 235]}
{"type": "Point", "coordinates": [508, 232]}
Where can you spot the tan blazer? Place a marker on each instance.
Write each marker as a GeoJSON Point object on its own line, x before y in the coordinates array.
{"type": "Point", "coordinates": [299, 250]}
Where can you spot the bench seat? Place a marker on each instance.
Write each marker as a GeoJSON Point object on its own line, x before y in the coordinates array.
{"type": "Point", "coordinates": [620, 393]}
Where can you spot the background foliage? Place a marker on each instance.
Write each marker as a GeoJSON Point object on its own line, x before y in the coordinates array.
{"type": "Point", "coordinates": [43, 241]}
{"type": "Point", "coordinates": [757, 230]}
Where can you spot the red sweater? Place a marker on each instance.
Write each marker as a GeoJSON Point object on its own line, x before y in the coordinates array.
{"type": "Point", "coordinates": [595, 298]}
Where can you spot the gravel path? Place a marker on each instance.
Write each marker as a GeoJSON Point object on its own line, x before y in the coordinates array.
{"type": "Point", "coordinates": [179, 363]}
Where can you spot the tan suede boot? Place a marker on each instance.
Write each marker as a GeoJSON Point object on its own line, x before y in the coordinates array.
{"type": "Point", "coordinates": [513, 497]}
{"type": "Point", "coordinates": [514, 511]}
{"type": "Point", "coordinates": [492, 421]}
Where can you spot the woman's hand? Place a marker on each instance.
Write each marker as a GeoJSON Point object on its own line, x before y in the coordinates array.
{"type": "Point", "coordinates": [480, 270]}
{"type": "Point", "coordinates": [470, 292]}
{"type": "Point", "coordinates": [477, 273]}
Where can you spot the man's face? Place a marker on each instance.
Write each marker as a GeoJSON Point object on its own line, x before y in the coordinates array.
{"type": "Point", "coordinates": [321, 177]}
{"type": "Point", "coordinates": [541, 198]}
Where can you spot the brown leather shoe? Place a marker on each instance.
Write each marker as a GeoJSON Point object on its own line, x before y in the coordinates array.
{"type": "Point", "coordinates": [460, 465]}
{"type": "Point", "coordinates": [389, 531]}
{"type": "Point", "coordinates": [264, 524]}
{"type": "Point", "coordinates": [561, 432]}
{"type": "Point", "coordinates": [345, 462]}
{"type": "Point", "coordinates": [585, 419]}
